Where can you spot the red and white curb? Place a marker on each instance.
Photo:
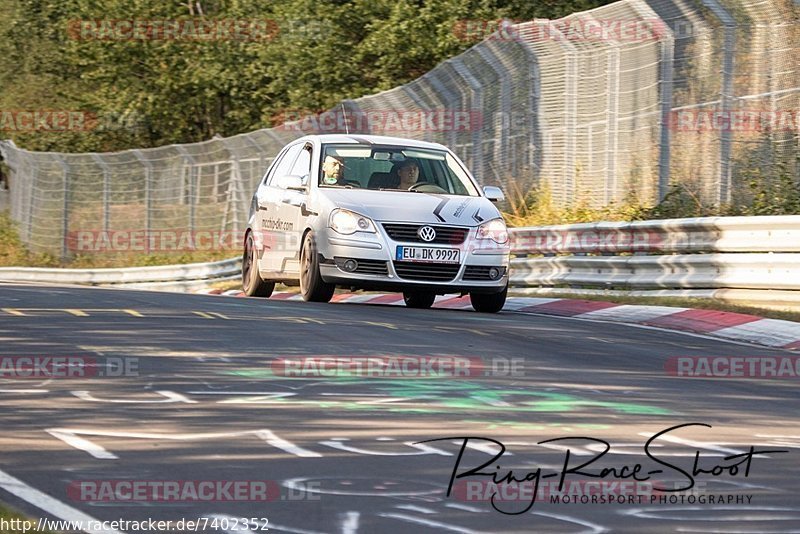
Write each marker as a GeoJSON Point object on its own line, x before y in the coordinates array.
{"type": "Point", "coordinates": [728, 325]}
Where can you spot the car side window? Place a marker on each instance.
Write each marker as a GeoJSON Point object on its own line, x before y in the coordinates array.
{"type": "Point", "coordinates": [302, 165]}
{"type": "Point", "coordinates": [285, 164]}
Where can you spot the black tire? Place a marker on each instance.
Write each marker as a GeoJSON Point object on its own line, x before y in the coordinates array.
{"type": "Point", "coordinates": [488, 302]}
{"type": "Point", "coordinates": [419, 300]}
{"type": "Point", "coordinates": [252, 283]}
{"type": "Point", "coordinates": [312, 287]}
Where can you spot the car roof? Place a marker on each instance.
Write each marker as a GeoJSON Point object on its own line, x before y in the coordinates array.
{"type": "Point", "coordinates": [371, 139]}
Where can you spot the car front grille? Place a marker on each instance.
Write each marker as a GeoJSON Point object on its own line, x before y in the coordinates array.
{"type": "Point", "coordinates": [445, 235]}
{"type": "Point", "coordinates": [365, 266]}
{"type": "Point", "coordinates": [428, 272]}
{"type": "Point", "coordinates": [480, 272]}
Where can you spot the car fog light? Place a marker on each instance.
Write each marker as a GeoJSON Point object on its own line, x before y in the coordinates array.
{"type": "Point", "coordinates": [494, 273]}
{"type": "Point", "coordinates": [350, 265]}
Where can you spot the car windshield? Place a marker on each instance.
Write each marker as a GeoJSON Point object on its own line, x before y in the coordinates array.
{"type": "Point", "coordinates": [393, 168]}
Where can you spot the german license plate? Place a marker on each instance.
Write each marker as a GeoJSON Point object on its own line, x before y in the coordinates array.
{"type": "Point", "coordinates": [428, 254]}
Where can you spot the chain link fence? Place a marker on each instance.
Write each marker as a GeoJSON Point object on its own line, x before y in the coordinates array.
{"type": "Point", "coordinates": [624, 99]}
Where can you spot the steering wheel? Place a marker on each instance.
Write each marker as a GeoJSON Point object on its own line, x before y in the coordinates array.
{"type": "Point", "coordinates": [427, 187]}
{"type": "Point", "coordinates": [418, 184]}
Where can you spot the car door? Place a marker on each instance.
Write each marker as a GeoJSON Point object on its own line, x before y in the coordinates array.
{"type": "Point", "coordinates": [292, 213]}
{"type": "Point", "coordinates": [268, 223]}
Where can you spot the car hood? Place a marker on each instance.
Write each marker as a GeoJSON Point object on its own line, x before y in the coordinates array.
{"type": "Point", "coordinates": [413, 207]}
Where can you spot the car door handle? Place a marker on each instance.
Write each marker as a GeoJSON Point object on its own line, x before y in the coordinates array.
{"type": "Point", "coordinates": [263, 208]}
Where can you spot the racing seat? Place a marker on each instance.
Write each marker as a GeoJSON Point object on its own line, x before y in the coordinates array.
{"type": "Point", "coordinates": [382, 180]}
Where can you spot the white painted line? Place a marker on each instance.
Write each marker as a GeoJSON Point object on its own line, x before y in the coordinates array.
{"type": "Point", "coordinates": [47, 503]}
{"type": "Point", "coordinates": [632, 313]}
{"type": "Point", "coordinates": [466, 508]}
{"type": "Point", "coordinates": [70, 437]}
{"type": "Point", "coordinates": [696, 444]}
{"type": "Point", "coordinates": [770, 332]}
{"type": "Point", "coordinates": [414, 508]}
{"type": "Point", "coordinates": [596, 529]}
{"type": "Point", "coordinates": [350, 522]}
{"type": "Point", "coordinates": [430, 524]}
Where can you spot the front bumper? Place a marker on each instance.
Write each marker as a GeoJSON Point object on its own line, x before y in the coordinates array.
{"type": "Point", "coordinates": [379, 271]}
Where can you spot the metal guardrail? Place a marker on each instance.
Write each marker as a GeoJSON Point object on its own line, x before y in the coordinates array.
{"type": "Point", "coordinates": [753, 253]}
{"type": "Point", "coordinates": [710, 253]}
{"type": "Point", "coordinates": [167, 277]}
{"type": "Point", "coordinates": [704, 234]}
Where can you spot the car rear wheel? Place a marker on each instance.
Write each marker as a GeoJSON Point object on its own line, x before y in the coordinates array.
{"type": "Point", "coordinates": [419, 300]}
{"type": "Point", "coordinates": [488, 302]}
{"type": "Point", "coordinates": [312, 286]}
{"type": "Point", "coordinates": [252, 283]}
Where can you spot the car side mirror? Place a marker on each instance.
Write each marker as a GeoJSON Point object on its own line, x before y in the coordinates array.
{"type": "Point", "coordinates": [292, 182]}
{"type": "Point", "coordinates": [495, 194]}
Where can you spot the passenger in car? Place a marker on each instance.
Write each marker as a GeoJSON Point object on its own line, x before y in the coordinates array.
{"type": "Point", "coordinates": [333, 171]}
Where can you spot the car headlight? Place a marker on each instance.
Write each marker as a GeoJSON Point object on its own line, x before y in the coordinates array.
{"type": "Point", "coordinates": [495, 230]}
{"type": "Point", "coordinates": [347, 222]}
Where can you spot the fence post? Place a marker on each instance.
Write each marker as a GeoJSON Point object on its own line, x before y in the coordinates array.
{"type": "Point", "coordinates": [476, 101]}
{"type": "Point", "coordinates": [148, 191]}
{"type": "Point", "coordinates": [106, 191]}
{"type": "Point", "coordinates": [65, 215]}
{"type": "Point", "coordinates": [726, 95]}
{"type": "Point", "coordinates": [667, 66]}
{"type": "Point", "coordinates": [500, 146]}
{"type": "Point", "coordinates": [192, 164]}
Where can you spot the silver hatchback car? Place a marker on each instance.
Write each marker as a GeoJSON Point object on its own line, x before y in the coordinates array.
{"type": "Point", "coordinates": [375, 213]}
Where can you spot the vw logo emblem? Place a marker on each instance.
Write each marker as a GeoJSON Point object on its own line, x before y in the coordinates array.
{"type": "Point", "coordinates": [426, 233]}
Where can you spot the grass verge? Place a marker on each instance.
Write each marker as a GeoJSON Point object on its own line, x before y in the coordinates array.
{"type": "Point", "coordinates": [7, 515]}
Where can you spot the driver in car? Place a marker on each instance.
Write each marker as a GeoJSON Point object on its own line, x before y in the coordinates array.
{"type": "Point", "coordinates": [333, 171]}
{"type": "Point", "coordinates": [408, 173]}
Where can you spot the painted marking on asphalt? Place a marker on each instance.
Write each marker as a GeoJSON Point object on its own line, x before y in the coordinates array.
{"type": "Point", "coordinates": [171, 396]}
{"type": "Point", "coordinates": [70, 437]}
{"type": "Point", "coordinates": [350, 522]}
{"type": "Point", "coordinates": [47, 503]}
{"type": "Point", "coordinates": [76, 313]}
{"type": "Point", "coordinates": [133, 313]}
{"type": "Point", "coordinates": [429, 523]}
{"type": "Point", "coordinates": [204, 315]}
{"type": "Point", "coordinates": [465, 507]}
{"type": "Point", "coordinates": [12, 311]}
{"type": "Point", "coordinates": [24, 391]}
{"type": "Point", "coordinates": [459, 329]}
{"type": "Point", "coordinates": [414, 508]}
{"type": "Point", "coordinates": [691, 443]}
{"type": "Point", "coordinates": [595, 528]}
{"type": "Point", "coordinates": [384, 325]}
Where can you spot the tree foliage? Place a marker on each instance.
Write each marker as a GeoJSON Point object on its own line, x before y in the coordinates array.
{"type": "Point", "coordinates": [153, 92]}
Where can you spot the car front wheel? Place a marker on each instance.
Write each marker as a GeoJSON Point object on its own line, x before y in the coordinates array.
{"type": "Point", "coordinates": [312, 286]}
{"type": "Point", "coordinates": [252, 283]}
{"type": "Point", "coordinates": [419, 300]}
{"type": "Point", "coordinates": [488, 302]}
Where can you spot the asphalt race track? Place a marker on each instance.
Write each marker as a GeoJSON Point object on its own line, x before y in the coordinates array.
{"type": "Point", "coordinates": [201, 399]}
